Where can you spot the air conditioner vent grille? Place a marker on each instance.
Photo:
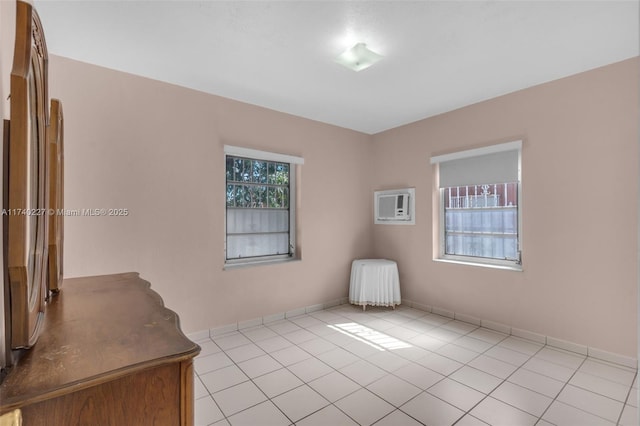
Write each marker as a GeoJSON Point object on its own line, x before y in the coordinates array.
{"type": "Point", "coordinates": [394, 206]}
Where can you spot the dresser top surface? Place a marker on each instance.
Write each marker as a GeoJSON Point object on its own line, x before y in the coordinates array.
{"type": "Point", "coordinates": [96, 329]}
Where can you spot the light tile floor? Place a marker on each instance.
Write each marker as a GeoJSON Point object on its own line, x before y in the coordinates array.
{"type": "Point", "coordinates": [343, 366]}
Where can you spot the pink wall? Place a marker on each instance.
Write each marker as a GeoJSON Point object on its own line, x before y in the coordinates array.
{"type": "Point", "coordinates": [157, 150]}
{"type": "Point", "coordinates": [580, 186]}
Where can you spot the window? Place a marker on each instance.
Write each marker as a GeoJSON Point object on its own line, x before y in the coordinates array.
{"type": "Point", "coordinates": [260, 206]}
{"type": "Point", "coordinates": [479, 199]}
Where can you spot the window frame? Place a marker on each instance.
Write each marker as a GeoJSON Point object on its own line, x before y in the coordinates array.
{"type": "Point", "coordinates": [439, 254]}
{"type": "Point", "coordinates": [293, 163]}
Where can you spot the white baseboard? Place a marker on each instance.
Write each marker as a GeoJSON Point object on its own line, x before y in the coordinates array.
{"type": "Point", "coordinates": [228, 328]}
{"type": "Point", "coordinates": [529, 335]}
{"type": "Point", "coordinates": [198, 336]}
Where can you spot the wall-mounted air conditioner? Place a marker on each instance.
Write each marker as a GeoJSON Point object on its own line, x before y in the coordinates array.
{"type": "Point", "coordinates": [395, 207]}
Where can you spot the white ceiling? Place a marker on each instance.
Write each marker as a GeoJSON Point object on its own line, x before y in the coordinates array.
{"type": "Point", "coordinates": [438, 55]}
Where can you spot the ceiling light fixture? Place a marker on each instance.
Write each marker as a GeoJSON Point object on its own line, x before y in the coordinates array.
{"type": "Point", "coordinates": [358, 57]}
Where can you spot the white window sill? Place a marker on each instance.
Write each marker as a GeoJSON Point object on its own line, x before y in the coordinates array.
{"type": "Point", "coordinates": [252, 263]}
{"type": "Point", "coordinates": [503, 266]}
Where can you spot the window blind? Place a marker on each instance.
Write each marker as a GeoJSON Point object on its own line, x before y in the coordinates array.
{"type": "Point", "coordinates": [257, 232]}
{"type": "Point", "coordinates": [488, 165]}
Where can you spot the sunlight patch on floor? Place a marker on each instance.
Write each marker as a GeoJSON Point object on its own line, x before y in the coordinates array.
{"type": "Point", "coordinates": [369, 336]}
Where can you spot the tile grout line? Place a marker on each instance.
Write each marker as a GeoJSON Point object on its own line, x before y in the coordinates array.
{"type": "Point", "coordinates": [590, 391]}
{"type": "Point", "coordinates": [555, 398]}
{"type": "Point", "coordinates": [500, 384]}
{"type": "Point", "coordinates": [521, 366]}
{"type": "Point", "coordinates": [286, 368]}
{"type": "Point", "coordinates": [250, 379]}
{"type": "Point", "coordinates": [459, 368]}
{"type": "Point", "coordinates": [397, 408]}
{"type": "Point", "coordinates": [432, 352]}
{"type": "Point", "coordinates": [463, 364]}
{"type": "Point", "coordinates": [306, 383]}
{"type": "Point", "coordinates": [209, 394]}
{"type": "Point", "coordinates": [626, 400]}
{"type": "Point", "coordinates": [410, 361]}
{"type": "Point", "coordinates": [361, 387]}
{"type": "Point", "coordinates": [506, 379]}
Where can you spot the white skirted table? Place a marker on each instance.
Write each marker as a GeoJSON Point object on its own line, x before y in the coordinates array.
{"type": "Point", "coordinates": [374, 282]}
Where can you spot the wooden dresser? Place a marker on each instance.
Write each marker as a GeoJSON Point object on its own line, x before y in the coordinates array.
{"type": "Point", "coordinates": [109, 353]}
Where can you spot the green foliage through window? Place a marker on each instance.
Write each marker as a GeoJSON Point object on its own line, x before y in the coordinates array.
{"type": "Point", "coordinates": [257, 184]}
